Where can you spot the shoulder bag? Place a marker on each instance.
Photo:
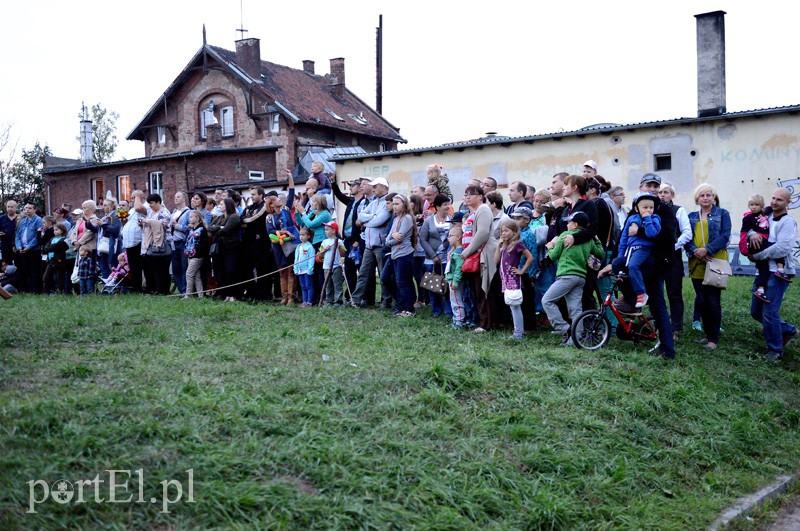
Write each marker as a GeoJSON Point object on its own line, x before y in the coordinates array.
{"type": "Point", "coordinates": [434, 282]}
{"type": "Point", "coordinates": [717, 270]}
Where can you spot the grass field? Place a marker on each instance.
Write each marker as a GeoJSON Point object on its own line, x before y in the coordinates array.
{"type": "Point", "coordinates": [325, 418]}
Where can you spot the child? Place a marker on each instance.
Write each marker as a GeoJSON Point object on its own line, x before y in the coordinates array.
{"type": "Point", "coordinates": [570, 274]}
{"type": "Point", "coordinates": [87, 270]}
{"type": "Point", "coordinates": [452, 274]}
{"type": "Point", "coordinates": [45, 234]}
{"type": "Point", "coordinates": [634, 250]}
{"type": "Point", "coordinates": [531, 304]}
{"type": "Point", "coordinates": [56, 254]}
{"type": "Point", "coordinates": [508, 254]}
{"type": "Point", "coordinates": [119, 272]}
{"type": "Point", "coordinates": [196, 250]}
{"type": "Point", "coordinates": [304, 255]}
{"type": "Point", "coordinates": [757, 220]}
{"type": "Point", "coordinates": [331, 265]}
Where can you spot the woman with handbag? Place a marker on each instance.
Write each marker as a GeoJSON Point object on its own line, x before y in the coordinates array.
{"type": "Point", "coordinates": [433, 239]}
{"type": "Point", "coordinates": [711, 231]}
{"type": "Point", "coordinates": [227, 239]}
{"type": "Point", "coordinates": [156, 243]}
{"type": "Point", "coordinates": [479, 266]}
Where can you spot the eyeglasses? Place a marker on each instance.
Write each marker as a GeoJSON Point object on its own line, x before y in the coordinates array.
{"type": "Point", "coordinates": [619, 194]}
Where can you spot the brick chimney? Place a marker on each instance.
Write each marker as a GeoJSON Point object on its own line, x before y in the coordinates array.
{"type": "Point", "coordinates": [711, 64]}
{"type": "Point", "coordinates": [337, 76]}
{"type": "Point", "coordinates": [308, 66]}
{"type": "Point", "coordinates": [248, 57]}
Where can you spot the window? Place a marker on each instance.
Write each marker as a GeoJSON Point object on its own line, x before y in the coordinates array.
{"type": "Point", "coordinates": [275, 123]}
{"type": "Point", "coordinates": [227, 121]}
{"type": "Point", "coordinates": [124, 187]}
{"type": "Point", "coordinates": [162, 135]}
{"type": "Point", "coordinates": [98, 190]}
{"type": "Point", "coordinates": [256, 175]}
{"type": "Point", "coordinates": [334, 115]}
{"type": "Point", "coordinates": [663, 162]}
{"type": "Point", "coordinates": [156, 183]}
{"type": "Point", "coordinates": [360, 118]}
{"type": "Point", "coordinates": [203, 122]}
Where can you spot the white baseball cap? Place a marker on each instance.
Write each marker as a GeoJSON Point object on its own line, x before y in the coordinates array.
{"type": "Point", "coordinates": [592, 164]}
{"type": "Point", "coordinates": [379, 180]}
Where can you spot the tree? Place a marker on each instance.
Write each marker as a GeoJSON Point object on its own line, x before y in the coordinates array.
{"type": "Point", "coordinates": [104, 132]}
{"type": "Point", "coordinates": [25, 179]}
{"type": "Point", "coordinates": [8, 153]}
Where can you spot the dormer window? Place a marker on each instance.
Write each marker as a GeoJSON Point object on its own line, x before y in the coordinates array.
{"type": "Point", "coordinates": [335, 116]}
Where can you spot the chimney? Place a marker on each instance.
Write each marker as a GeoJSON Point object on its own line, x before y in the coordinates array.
{"type": "Point", "coordinates": [248, 57]}
{"type": "Point", "coordinates": [308, 66]}
{"type": "Point", "coordinates": [337, 76]}
{"type": "Point", "coordinates": [711, 64]}
{"type": "Point", "coordinates": [213, 135]}
{"type": "Point", "coordinates": [86, 137]}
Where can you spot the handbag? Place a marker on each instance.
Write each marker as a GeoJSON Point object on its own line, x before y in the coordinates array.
{"type": "Point", "coordinates": [472, 263]}
{"type": "Point", "coordinates": [74, 276]}
{"type": "Point", "coordinates": [214, 249]}
{"type": "Point", "coordinates": [434, 282]}
{"type": "Point", "coordinates": [512, 297]}
{"type": "Point", "coordinates": [717, 273]}
{"type": "Point", "coordinates": [594, 263]}
{"type": "Point", "coordinates": [104, 245]}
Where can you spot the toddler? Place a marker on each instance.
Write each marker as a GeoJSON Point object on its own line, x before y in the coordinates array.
{"type": "Point", "coordinates": [634, 250]}
{"type": "Point", "coordinates": [452, 274]}
{"type": "Point", "coordinates": [304, 258]}
{"type": "Point", "coordinates": [87, 270]}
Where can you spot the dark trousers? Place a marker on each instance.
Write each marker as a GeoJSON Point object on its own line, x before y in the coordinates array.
{"type": "Point", "coordinates": [226, 266]}
{"type": "Point", "coordinates": [256, 258]}
{"type": "Point", "coordinates": [350, 269]}
{"type": "Point", "coordinates": [481, 300]}
{"type": "Point", "coordinates": [179, 265]}
{"type": "Point", "coordinates": [654, 287]}
{"type": "Point", "coordinates": [673, 280]}
{"type": "Point", "coordinates": [404, 279]}
{"type": "Point", "coordinates": [419, 270]}
{"type": "Point", "coordinates": [135, 265]}
{"type": "Point", "coordinates": [54, 278]}
{"type": "Point", "coordinates": [156, 273]}
{"type": "Point", "coordinates": [30, 269]}
{"type": "Point", "coordinates": [709, 305]}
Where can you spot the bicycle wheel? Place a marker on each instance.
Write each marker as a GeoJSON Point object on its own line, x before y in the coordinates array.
{"type": "Point", "coordinates": [591, 330]}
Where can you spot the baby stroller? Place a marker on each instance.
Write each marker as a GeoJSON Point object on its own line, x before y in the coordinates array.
{"type": "Point", "coordinates": [113, 284]}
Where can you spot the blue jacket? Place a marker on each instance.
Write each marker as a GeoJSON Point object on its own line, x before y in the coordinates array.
{"type": "Point", "coordinates": [28, 227]}
{"type": "Point", "coordinates": [719, 230]}
{"type": "Point", "coordinates": [652, 226]}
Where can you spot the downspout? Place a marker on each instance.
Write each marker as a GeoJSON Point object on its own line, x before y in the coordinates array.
{"type": "Point", "coordinates": [186, 174]}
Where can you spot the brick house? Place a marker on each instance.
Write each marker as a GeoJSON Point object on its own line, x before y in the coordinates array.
{"type": "Point", "coordinates": [229, 120]}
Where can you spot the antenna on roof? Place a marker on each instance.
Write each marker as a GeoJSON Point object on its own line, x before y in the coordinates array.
{"type": "Point", "coordinates": [241, 20]}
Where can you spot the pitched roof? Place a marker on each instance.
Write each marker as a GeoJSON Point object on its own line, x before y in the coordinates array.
{"type": "Point", "coordinates": [300, 96]}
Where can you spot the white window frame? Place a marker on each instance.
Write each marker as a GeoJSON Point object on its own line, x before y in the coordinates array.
{"type": "Point", "coordinates": [226, 119]}
{"type": "Point", "coordinates": [203, 123]}
{"type": "Point", "coordinates": [155, 183]}
{"type": "Point", "coordinates": [162, 134]}
{"type": "Point", "coordinates": [275, 123]}
{"type": "Point", "coordinates": [123, 193]}
{"type": "Point", "coordinates": [98, 200]}
{"type": "Point", "coordinates": [256, 175]}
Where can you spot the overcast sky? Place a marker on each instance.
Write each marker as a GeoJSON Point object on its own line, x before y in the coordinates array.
{"type": "Point", "coordinates": [451, 72]}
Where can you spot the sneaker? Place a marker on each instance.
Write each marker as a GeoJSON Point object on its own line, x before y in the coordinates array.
{"type": "Point", "coordinates": [516, 337]}
{"type": "Point", "coordinates": [760, 296]}
{"type": "Point", "coordinates": [774, 356]}
{"type": "Point", "coordinates": [457, 326]}
{"type": "Point", "coordinates": [697, 325]}
{"type": "Point", "coordinates": [788, 336]}
{"type": "Point", "coordinates": [783, 276]}
{"type": "Point", "coordinates": [418, 305]}
{"type": "Point", "coordinates": [405, 314]}
{"type": "Point", "coordinates": [478, 330]}
{"type": "Point", "coordinates": [566, 342]}
{"type": "Point", "coordinates": [623, 306]}
{"type": "Point", "coordinates": [641, 300]}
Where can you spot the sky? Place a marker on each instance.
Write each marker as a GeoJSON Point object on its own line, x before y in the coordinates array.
{"type": "Point", "coordinates": [450, 72]}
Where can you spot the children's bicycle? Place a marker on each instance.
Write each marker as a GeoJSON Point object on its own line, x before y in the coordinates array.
{"type": "Point", "coordinates": [591, 330]}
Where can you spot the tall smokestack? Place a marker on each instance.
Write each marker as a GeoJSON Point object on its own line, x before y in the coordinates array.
{"type": "Point", "coordinates": [86, 136]}
{"type": "Point", "coordinates": [711, 64]}
{"type": "Point", "coordinates": [379, 66]}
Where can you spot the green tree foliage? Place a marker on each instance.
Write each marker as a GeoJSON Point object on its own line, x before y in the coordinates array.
{"type": "Point", "coordinates": [24, 179]}
{"type": "Point", "coordinates": [104, 132]}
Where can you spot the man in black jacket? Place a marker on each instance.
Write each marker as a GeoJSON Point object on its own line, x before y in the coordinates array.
{"type": "Point", "coordinates": [350, 230]}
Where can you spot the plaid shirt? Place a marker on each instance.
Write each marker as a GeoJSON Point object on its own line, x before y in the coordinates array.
{"type": "Point", "coordinates": [87, 269]}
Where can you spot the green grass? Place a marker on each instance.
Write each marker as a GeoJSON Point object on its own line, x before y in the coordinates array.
{"type": "Point", "coordinates": [298, 418]}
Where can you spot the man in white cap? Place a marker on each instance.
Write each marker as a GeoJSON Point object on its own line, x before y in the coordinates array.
{"type": "Point", "coordinates": [589, 169]}
{"type": "Point", "coordinates": [374, 220]}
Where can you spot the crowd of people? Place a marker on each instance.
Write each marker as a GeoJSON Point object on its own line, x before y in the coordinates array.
{"type": "Point", "coordinates": [534, 264]}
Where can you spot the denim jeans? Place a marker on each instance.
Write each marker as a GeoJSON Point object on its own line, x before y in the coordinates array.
{"type": "Point", "coordinates": [179, 266]}
{"type": "Point", "coordinates": [87, 286]}
{"type": "Point", "coordinates": [570, 288]}
{"type": "Point", "coordinates": [767, 314]}
{"type": "Point", "coordinates": [307, 288]}
{"type": "Point", "coordinates": [404, 278]}
{"type": "Point", "coordinates": [104, 261]}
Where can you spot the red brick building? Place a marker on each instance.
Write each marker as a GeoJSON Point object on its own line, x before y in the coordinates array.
{"type": "Point", "coordinates": [229, 120]}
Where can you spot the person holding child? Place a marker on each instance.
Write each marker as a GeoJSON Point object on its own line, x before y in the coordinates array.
{"type": "Point", "coordinates": [571, 272]}
{"type": "Point", "coordinates": [711, 230]}
{"type": "Point", "coordinates": [756, 219]}
{"type": "Point", "coordinates": [634, 250]}
{"type": "Point", "coordinates": [508, 254]}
